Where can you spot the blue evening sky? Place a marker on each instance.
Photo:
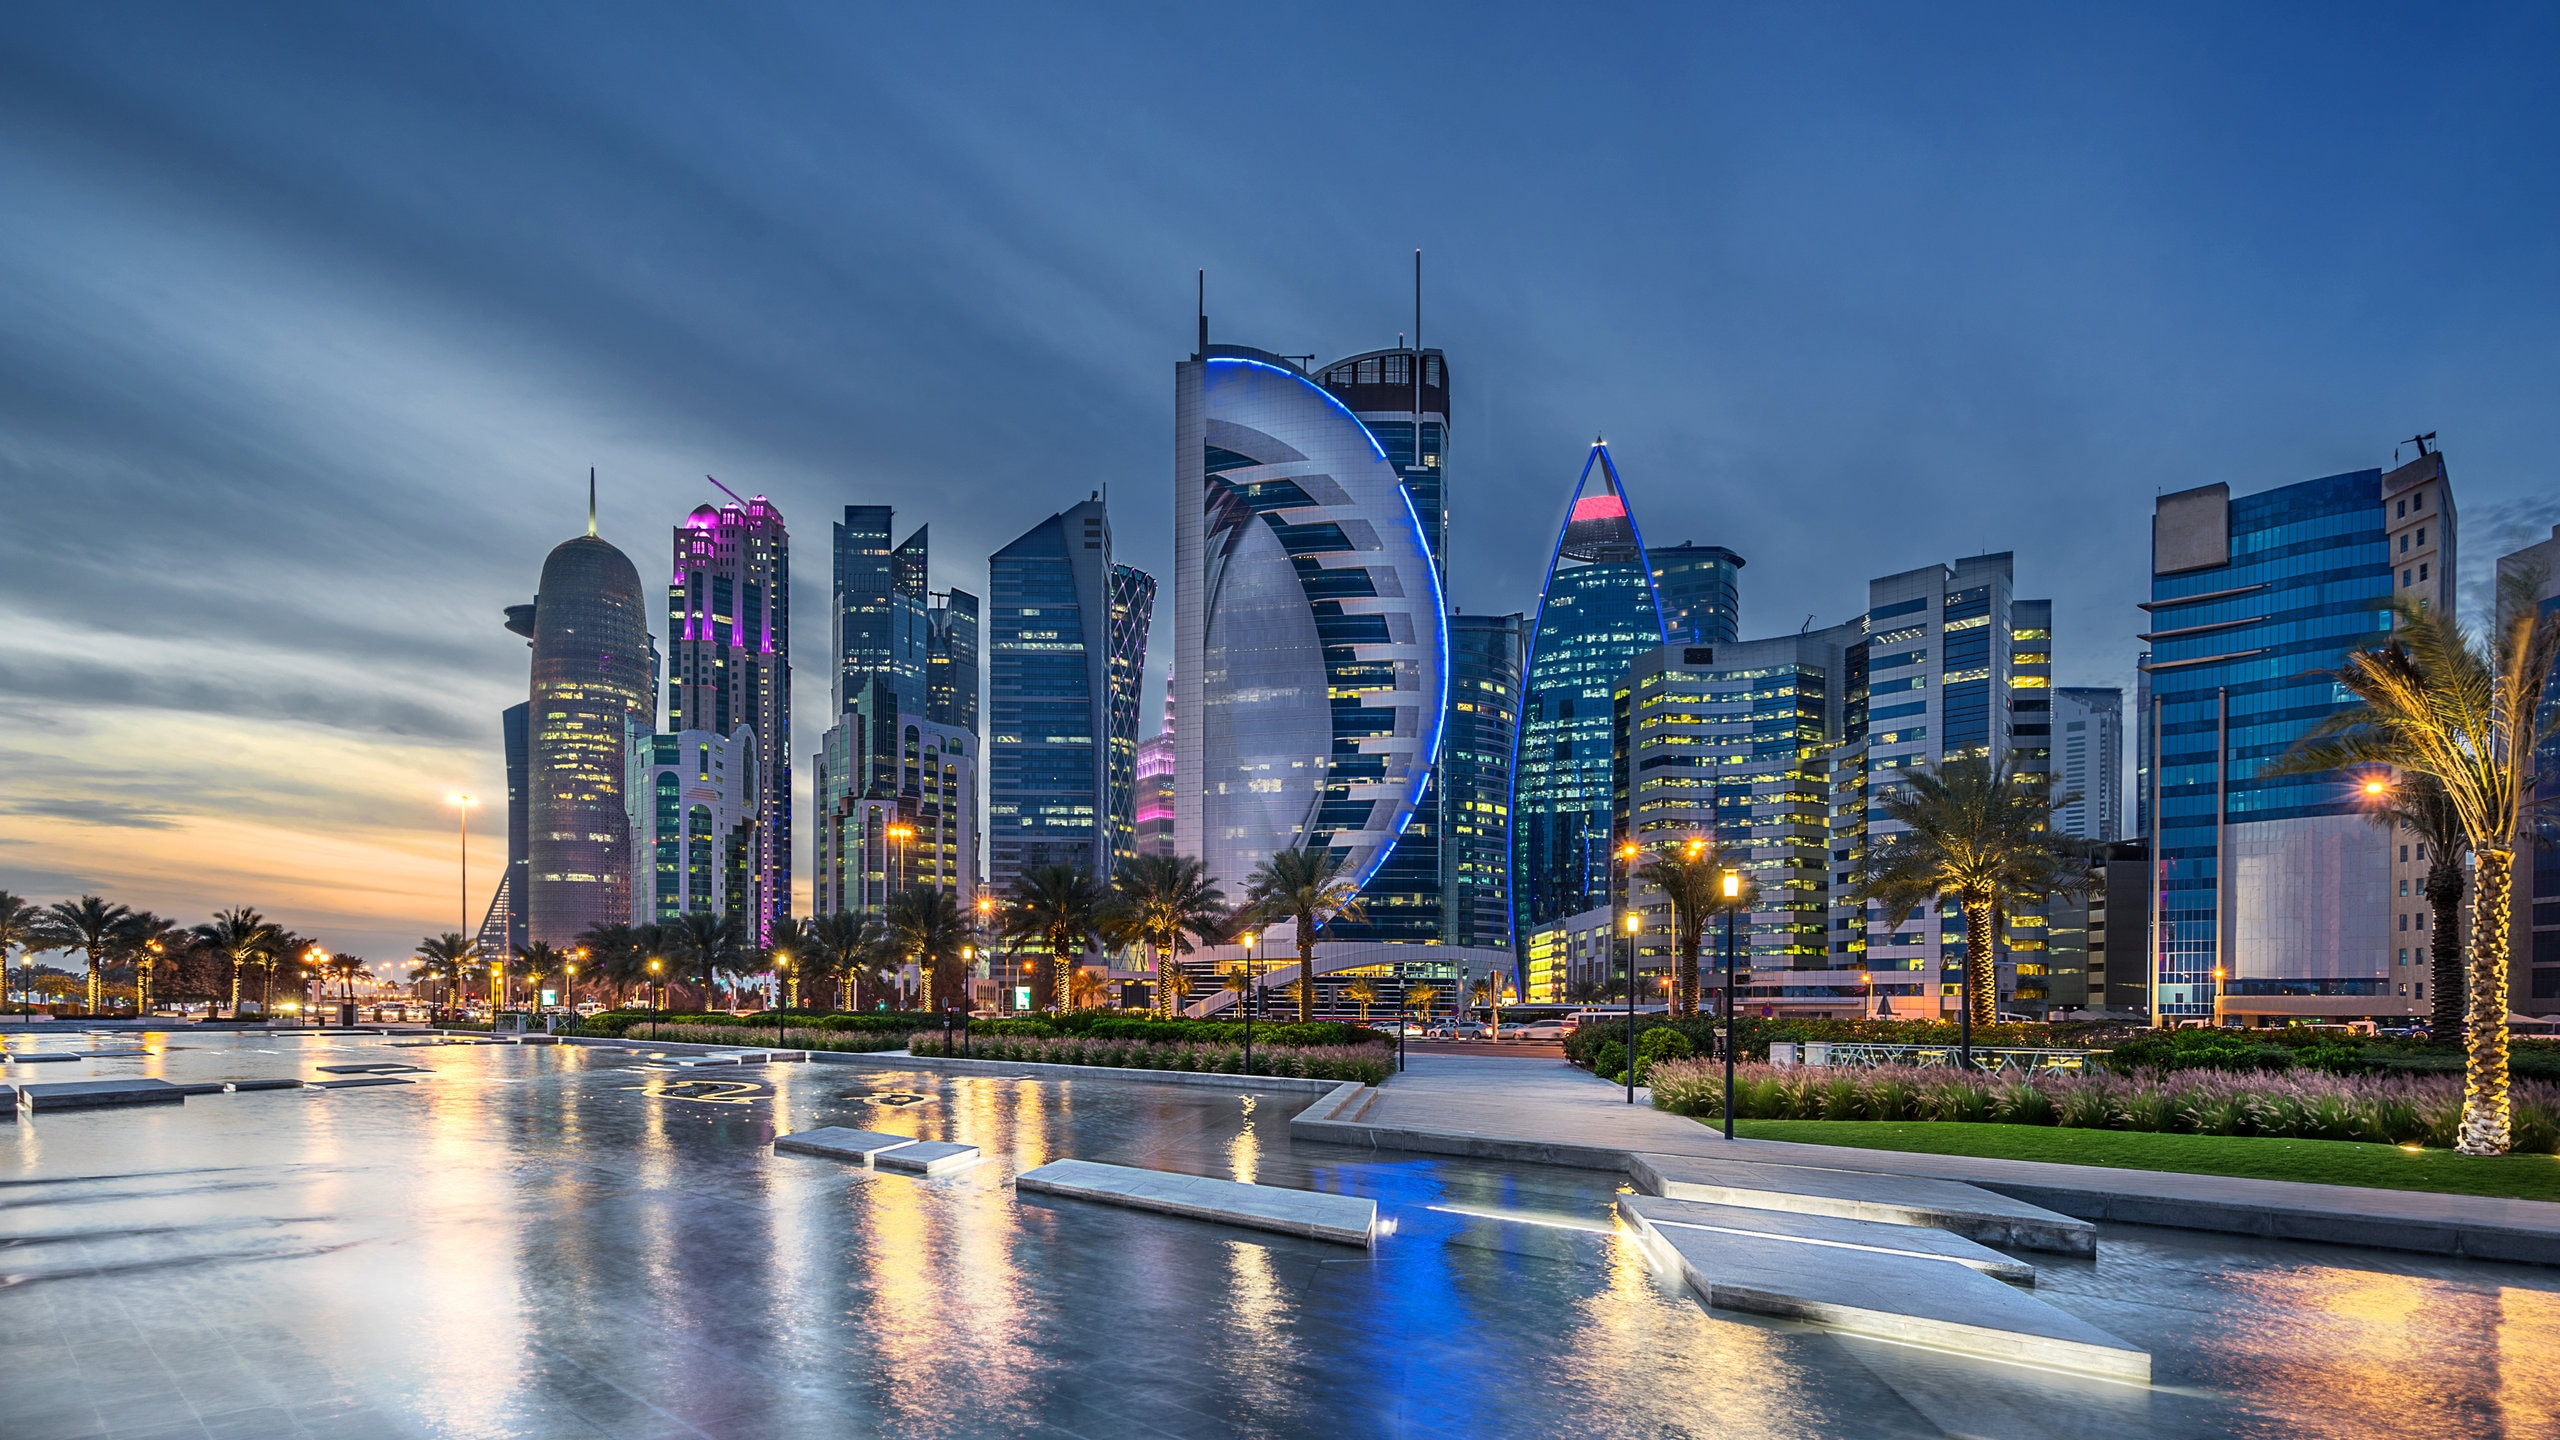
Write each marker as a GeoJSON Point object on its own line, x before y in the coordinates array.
{"type": "Point", "coordinates": [313, 318]}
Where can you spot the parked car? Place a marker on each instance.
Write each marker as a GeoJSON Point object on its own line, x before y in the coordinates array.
{"type": "Point", "coordinates": [1555, 1029]}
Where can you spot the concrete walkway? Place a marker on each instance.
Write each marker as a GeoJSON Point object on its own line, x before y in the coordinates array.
{"type": "Point", "coordinates": [1554, 1114]}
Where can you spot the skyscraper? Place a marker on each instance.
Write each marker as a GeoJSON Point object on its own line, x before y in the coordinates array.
{"type": "Point", "coordinates": [1485, 653]}
{"type": "Point", "coordinates": [951, 659]}
{"type": "Point", "coordinates": [1596, 615]}
{"type": "Point", "coordinates": [729, 665]}
{"type": "Point", "coordinates": [2088, 761]}
{"type": "Point", "coordinates": [699, 821]}
{"type": "Point", "coordinates": [1155, 784]}
{"type": "Point", "coordinates": [1700, 587]}
{"type": "Point", "coordinates": [880, 624]}
{"type": "Point", "coordinates": [1061, 692]}
{"type": "Point", "coordinates": [502, 929]}
{"type": "Point", "coordinates": [2532, 575]}
{"type": "Point", "coordinates": [1311, 643]}
{"type": "Point", "coordinates": [896, 778]}
{"type": "Point", "coordinates": [593, 707]}
{"type": "Point", "coordinates": [2278, 884]}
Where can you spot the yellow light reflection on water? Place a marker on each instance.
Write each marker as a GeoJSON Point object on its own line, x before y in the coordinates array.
{"type": "Point", "coordinates": [1244, 1153]}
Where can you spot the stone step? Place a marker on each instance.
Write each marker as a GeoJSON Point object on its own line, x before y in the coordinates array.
{"type": "Point", "coordinates": [927, 1157]}
{"type": "Point", "coordinates": [1314, 1214]}
{"type": "Point", "coordinates": [92, 1094]}
{"type": "Point", "coordinates": [45, 1059]}
{"type": "Point", "coordinates": [1917, 1241]}
{"type": "Point", "coordinates": [1967, 1210]}
{"type": "Point", "coordinates": [1915, 1300]}
{"type": "Point", "coordinates": [840, 1142]}
{"type": "Point", "coordinates": [356, 1082]}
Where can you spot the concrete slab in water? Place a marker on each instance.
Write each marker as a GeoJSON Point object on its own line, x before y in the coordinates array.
{"type": "Point", "coordinates": [1918, 1241]}
{"type": "Point", "coordinates": [355, 1081]}
{"type": "Point", "coordinates": [8, 1102]}
{"type": "Point", "coordinates": [91, 1094]}
{"type": "Point", "coordinates": [927, 1157]}
{"type": "Point", "coordinates": [1914, 1300]}
{"type": "Point", "coordinates": [1315, 1214]}
{"type": "Point", "coordinates": [1967, 1210]}
{"type": "Point", "coordinates": [840, 1142]}
{"type": "Point", "coordinates": [278, 1083]}
{"type": "Point", "coordinates": [377, 1069]}
{"type": "Point", "coordinates": [41, 1059]}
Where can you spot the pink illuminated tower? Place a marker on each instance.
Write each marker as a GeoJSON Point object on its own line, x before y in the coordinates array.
{"type": "Point", "coordinates": [729, 664]}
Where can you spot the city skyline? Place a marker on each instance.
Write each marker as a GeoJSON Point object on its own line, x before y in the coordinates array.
{"type": "Point", "coordinates": [334, 434]}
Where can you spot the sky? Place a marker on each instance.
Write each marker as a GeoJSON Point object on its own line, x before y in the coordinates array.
{"type": "Point", "coordinates": [313, 319]}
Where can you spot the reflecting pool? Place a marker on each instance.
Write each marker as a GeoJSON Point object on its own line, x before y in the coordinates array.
{"type": "Point", "coordinates": [537, 1241]}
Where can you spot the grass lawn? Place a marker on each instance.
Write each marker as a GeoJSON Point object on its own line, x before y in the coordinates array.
{"type": "Point", "coordinates": [2320, 1162]}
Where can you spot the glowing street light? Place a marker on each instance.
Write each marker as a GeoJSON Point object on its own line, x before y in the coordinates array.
{"type": "Point", "coordinates": [1730, 885]}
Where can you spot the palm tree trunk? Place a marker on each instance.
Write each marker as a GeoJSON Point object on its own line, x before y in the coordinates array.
{"type": "Point", "coordinates": [235, 989]}
{"type": "Point", "coordinates": [1062, 973]}
{"type": "Point", "coordinates": [1164, 981]}
{"type": "Point", "coordinates": [97, 978]}
{"type": "Point", "coordinates": [2444, 895]}
{"type": "Point", "coordinates": [2484, 1080]}
{"type": "Point", "coordinates": [1981, 981]}
{"type": "Point", "coordinates": [1687, 1003]}
{"type": "Point", "coordinates": [1306, 971]}
{"type": "Point", "coordinates": [142, 986]}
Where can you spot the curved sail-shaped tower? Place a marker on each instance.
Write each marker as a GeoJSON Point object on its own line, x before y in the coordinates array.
{"type": "Point", "coordinates": [1596, 615]}
{"type": "Point", "coordinates": [1311, 660]}
{"type": "Point", "coordinates": [595, 677]}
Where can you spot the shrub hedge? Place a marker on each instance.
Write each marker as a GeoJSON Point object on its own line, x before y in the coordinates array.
{"type": "Point", "coordinates": [859, 1042]}
{"type": "Point", "coordinates": [1365, 1063]}
{"type": "Point", "coordinates": [616, 1023]}
{"type": "Point", "coordinates": [2307, 1104]}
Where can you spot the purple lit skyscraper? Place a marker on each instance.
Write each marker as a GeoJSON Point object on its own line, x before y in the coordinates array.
{"type": "Point", "coordinates": [729, 664]}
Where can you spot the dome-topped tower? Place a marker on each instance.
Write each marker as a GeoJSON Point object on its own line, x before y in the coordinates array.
{"type": "Point", "coordinates": [595, 679]}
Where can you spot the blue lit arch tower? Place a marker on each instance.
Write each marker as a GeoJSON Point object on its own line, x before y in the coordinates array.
{"type": "Point", "coordinates": [1311, 659]}
{"type": "Point", "coordinates": [1596, 615]}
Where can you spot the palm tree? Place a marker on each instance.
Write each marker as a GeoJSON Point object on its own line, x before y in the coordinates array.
{"type": "Point", "coordinates": [346, 970]}
{"type": "Point", "coordinates": [1688, 880]}
{"type": "Point", "coordinates": [1056, 906]}
{"type": "Point", "coordinates": [21, 926]}
{"type": "Point", "coordinates": [1362, 994]}
{"type": "Point", "coordinates": [847, 946]}
{"type": "Point", "coordinates": [1084, 988]}
{"type": "Point", "coordinates": [539, 962]}
{"type": "Point", "coordinates": [90, 925]}
{"type": "Point", "coordinates": [445, 959]}
{"type": "Point", "coordinates": [1420, 997]}
{"type": "Point", "coordinates": [281, 945]}
{"type": "Point", "coordinates": [785, 953]}
{"type": "Point", "coordinates": [701, 944]}
{"type": "Point", "coordinates": [151, 940]}
{"type": "Point", "coordinates": [927, 925]}
{"type": "Point", "coordinates": [1166, 901]}
{"type": "Point", "coordinates": [1309, 888]}
{"type": "Point", "coordinates": [1981, 836]}
{"type": "Point", "coordinates": [2467, 715]}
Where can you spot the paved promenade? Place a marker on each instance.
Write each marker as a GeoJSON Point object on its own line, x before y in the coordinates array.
{"type": "Point", "coordinates": [1551, 1113]}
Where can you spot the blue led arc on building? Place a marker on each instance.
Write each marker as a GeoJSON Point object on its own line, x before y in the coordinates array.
{"type": "Point", "coordinates": [1597, 613]}
{"type": "Point", "coordinates": [1312, 642]}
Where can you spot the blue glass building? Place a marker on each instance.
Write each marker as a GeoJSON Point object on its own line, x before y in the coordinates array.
{"type": "Point", "coordinates": [2273, 893]}
{"type": "Point", "coordinates": [1597, 613]}
{"type": "Point", "coordinates": [1701, 591]}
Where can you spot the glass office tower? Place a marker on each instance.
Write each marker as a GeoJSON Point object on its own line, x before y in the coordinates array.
{"type": "Point", "coordinates": [2281, 884]}
{"type": "Point", "coordinates": [1597, 613]}
{"type": "Point", "coordinates": [1701, 591]}
{"type": "Point", "coordinates": [729, 665]}
{"type": "Point", "coordinates": [1057, 667]}
{"type": "Point", "coordinates": [1311, 659]}
{"type": "Point", "coordinates": [594, 705]}
{"type": "Point", "coordinates": [1485, 653]}
{"type": "Point", "coordinates": [881, 626]}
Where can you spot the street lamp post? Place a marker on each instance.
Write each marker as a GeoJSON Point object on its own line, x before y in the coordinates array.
{"type": "Point", "coordinates": [462, 806]}
{"type": "Point", "coordinates": [1732, 887]}
{"type": "Point", "coordinates": [1634, 923]}
{"type": "Point", "coordinates": [781, 1002]}
{"type": "Point", "coordinates": [1247, 998]}
{"type": "Point", "coordinates": [661, 987]}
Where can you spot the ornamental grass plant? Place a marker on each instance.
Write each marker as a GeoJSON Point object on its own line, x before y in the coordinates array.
{"type": "Point", "coordinates": [2304, 1104]}
{"type": "Point", "coordinates": [1368, 1064]}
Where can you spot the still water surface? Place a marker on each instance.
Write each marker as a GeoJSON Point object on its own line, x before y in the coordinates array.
{"type": "Point", "coordinates": [540, 1242]}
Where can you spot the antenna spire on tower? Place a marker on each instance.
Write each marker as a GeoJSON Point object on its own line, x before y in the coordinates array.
{"type": "Point", "coordinates": [591, 502]}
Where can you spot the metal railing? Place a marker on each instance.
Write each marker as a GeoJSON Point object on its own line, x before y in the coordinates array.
{"type": "Point", "coordinates": [1993, 1060]}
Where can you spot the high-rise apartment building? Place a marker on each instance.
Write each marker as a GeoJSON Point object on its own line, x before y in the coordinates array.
{"type": "Point", "coordinates": [2088, 761]}
{"type": "Point", "coordinates": [502, 929]}
{"type": "Point", "coordinates": [2532, 575]}
{"type": "Point", "coordinates": [1056, 666]}
{"type": "Point", "coordinates": [1310, 636]}
{"type": "Point", "coordinates": [1155, 784]}
{"type": "Point", "coordinates": [594, 706]}
{"type": "Point", "coordinates": [2275, 893]}
{"type": "Point", "coordinates": [1700, 588]}
{"type": "Point", "coordinates": [1485, 656]}
{"type": "Point", "coordinates": [1596, 614]}
{"type": "Point", "coordinates": [1730, 744]}
{"type": "Point", "coordinates": [729, 665]}
{"type": "Point", "coordinates": [697, 820]}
